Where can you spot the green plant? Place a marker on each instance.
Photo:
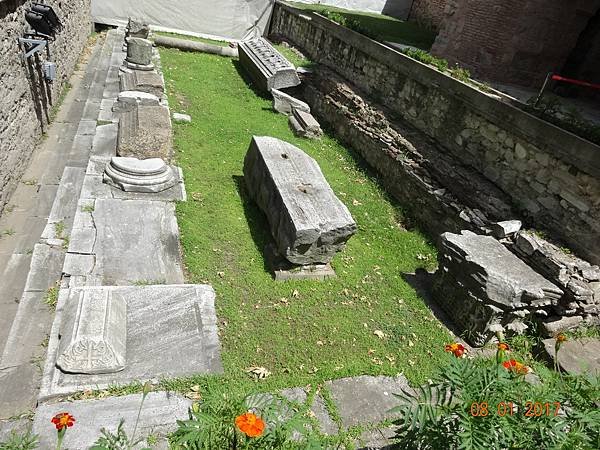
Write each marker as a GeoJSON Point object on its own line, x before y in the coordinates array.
{"type": "Point", "coordinates": [426, 58]}
{"type": "Point", "coordinates": [120, 440]}
{"type": "Point", "coordinates": [59, 228]}
{"type": "Point", "coordinates": [88, 208]}
{"type": "Point", "coordinates": [25, 441]}
{"type": "Point", "coordinates": [51, 297]}
{"type": "Point", "coordinates": [460, 74]}
{"type": "Point", "coordinates": [215, 423]}
{"type": "Point", "coordinates": [477, 404]}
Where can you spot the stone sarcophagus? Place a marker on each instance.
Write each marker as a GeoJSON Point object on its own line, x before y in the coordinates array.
{"type": "Point", "coordinates": [93, 334]}
{"type": "Point", "coordinates": [308, 222]}
{"type": "Point", "coordinates": [267, 67]}
{"type": "Point", "coordinates": [145, 132]}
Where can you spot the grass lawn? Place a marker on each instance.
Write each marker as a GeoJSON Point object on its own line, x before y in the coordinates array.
{"type": "Point", "coordinates": [367, 321]}
{"type": "Point", "coordinates": [387, 28]}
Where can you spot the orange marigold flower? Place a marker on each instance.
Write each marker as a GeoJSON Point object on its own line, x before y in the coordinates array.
{"type": "Point", "coordinates": [561, 338]}
{"type": "Point", "coordinates": [503, 346]}
{"type": "Point", "coordinates": [515, 366]}
{"type": "Point", "coordinates": [456, 349]}
{"type": "Point", "coordinates": [63, 420]}
{"type": "Point", "coordinates": [250, 424]}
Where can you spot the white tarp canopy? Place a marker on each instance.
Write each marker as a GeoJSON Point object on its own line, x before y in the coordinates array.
{"type": "Point", "coordinates": [228, 19]}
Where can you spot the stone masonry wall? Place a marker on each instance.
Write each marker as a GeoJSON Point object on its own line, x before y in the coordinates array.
{"type": "Point", "coordinates": [552, 177]}
{"type": "Point", "coordinates": [512, 41]}
{"type": "Point", "coordinates": [26, 100]}
{"type": "Point", "coordinates": [428, 12]}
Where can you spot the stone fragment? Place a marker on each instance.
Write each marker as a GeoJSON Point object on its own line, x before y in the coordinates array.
{"type": "Point", "coordinates": [267, 67]}
{"type": "Point", "coordinates": [145, 132]}
{"type": "Point", "coordinates": [128, 100]}
{"type": "Point", "coordinates": [481, 284]}
{"type": "Point", "coordinates": [366, 399]}
{"type": "Point", "coordinates": [159, 416]}
{"type": "Point", "coordinates": [150, 82]}
{"type": "Point", "coordinates": [503, 229]}
{"type": "Point", "coordinates": [551, 328]}
{"type": "Point", "coordinates": [137, 28]}
{"type": "Point", "coordinates": [284, 103]}
{"type": "Point", "coordinates": [182, 118]}
{"type": "Point", "coordinates": [135, 175]}
{"type": "Point", "coordinates": [576, 356]}
{"type": "Point", "coordinates": [304, 124]}
{"type": "Point", "coordinates": [93, 334]}
{"type": "Point", "coordinates": [139, 54]}
{"type": "Point", "coordinates": [308, 222]}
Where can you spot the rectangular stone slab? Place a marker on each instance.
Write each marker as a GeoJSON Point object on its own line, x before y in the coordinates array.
{"type": "Point", "coordinates": [143, 81]}
{"type": "Point", "coordinates": [171, 332]}
{"type": "Point", "coordinates": [308, 222]}
{"type": "Point", "coordinates": [93, 334]}
{"type": "Point", "coordinates": [268, 68]}
{"type": "Point", "coordinates": [145, 132]}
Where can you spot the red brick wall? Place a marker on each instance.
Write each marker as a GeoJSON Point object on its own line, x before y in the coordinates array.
{"type": "Point", "coordinates": [512, 41]}
{"type": "Point", "coordinates": [428, 12]}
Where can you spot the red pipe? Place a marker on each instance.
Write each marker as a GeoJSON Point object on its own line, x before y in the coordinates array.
{"type": "Point", "coordinates": [577, 82]}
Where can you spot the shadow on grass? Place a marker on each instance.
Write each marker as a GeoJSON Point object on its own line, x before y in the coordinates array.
{"type": "Point", "coordinates": [257, 221]}
{"type": "Point", "coordinates": [249, 81]}
{"type": "Point", "coordinates": [422, 282]}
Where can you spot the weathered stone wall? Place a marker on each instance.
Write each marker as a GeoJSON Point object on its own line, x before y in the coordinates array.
{"type": "Point", "coordinates": [512, 41]}
{"type": "Point", "coordinates": [551, 176]}
{"type": "Point", "coordinates": [429, 13]}
{"type": "Point", "coordinates": [26, 100]}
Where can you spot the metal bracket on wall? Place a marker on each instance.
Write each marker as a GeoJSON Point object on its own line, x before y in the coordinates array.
{"type": "Point", "coordinates": [32, 46]}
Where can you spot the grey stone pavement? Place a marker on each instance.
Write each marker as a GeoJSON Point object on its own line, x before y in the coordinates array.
{"type": "Point", "coordinates": [29, 264]}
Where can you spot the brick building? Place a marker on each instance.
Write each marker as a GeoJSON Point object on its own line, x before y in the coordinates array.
{"type": "Point", "coordinates": [516, 41]}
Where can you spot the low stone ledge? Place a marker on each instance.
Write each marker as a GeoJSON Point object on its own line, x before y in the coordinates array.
{"type": "Point", "coordinates": [309, 223]}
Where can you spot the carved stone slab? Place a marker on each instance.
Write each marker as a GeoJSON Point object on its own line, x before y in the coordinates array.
{"type": "Point", "coordinates": [145, 132]}
{"type": "Point", "coordinates": [139, 51]}
{"type": "Point", "coordinates": [137, 28]}
{"type": "Point", "coordinates": [93, 334]}
{"type": "Point", "coordinates": [135, 175]}
{"type": "Point", "coordinates": [144, 81]}
{"type": "Point", "coordinates": [309, 223]}
{"type": "Point", "coordinates": [267, 67]}
{"type": "Point", "coordinates": [171, 332]}
{"type": "Point", "coordinates": [128, 100]}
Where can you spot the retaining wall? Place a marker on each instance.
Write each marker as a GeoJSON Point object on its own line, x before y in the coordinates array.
{"type": "Point", "coordinates": [26, 101]}
{"type": "Point", "coordinates": [551, 176]}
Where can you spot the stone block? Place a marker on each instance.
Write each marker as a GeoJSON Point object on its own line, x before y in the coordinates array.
{"type": "Point", "coordinates": [159, 416]}
{"type": "Point", "coordinates": [559, 325]}
{"type": "Point", "coordinates": [134, 175]}
{"type": "Point", "coordinates": [171, 332]}
{"type": "Point", "coordinates": [506, 228]}
{"type": "Point", "coordinates": [93, 333]}
{"type": "Point", "coordinates": [304, 124]}
{"type": "Point", "coordinates": [128, 100]}
{"type": "Point", "coordinates": [137, 28]}
{"type": "Point", "coordinates": [182, 118]}
{"type": "Point", "coordinates": [139, 51]}
{"type": "Point", "coordinates": [284, 103]}
{"type": "Point", "coordinates": [145, 132]}
{"type": "Point", "coordinates": [308, 222]}
{"type": "Point", "coordinates": [366, 399]}
{"type": "Point", "coordinates": [267, 67]}
{"type": "Point", "coordinates": [144, 81]}
{"type": "Point", "coordinates": [576, 356]}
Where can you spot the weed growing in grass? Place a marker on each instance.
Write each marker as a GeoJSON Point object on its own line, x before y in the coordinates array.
{"type": "Point", "coordinates": [16, 441]}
